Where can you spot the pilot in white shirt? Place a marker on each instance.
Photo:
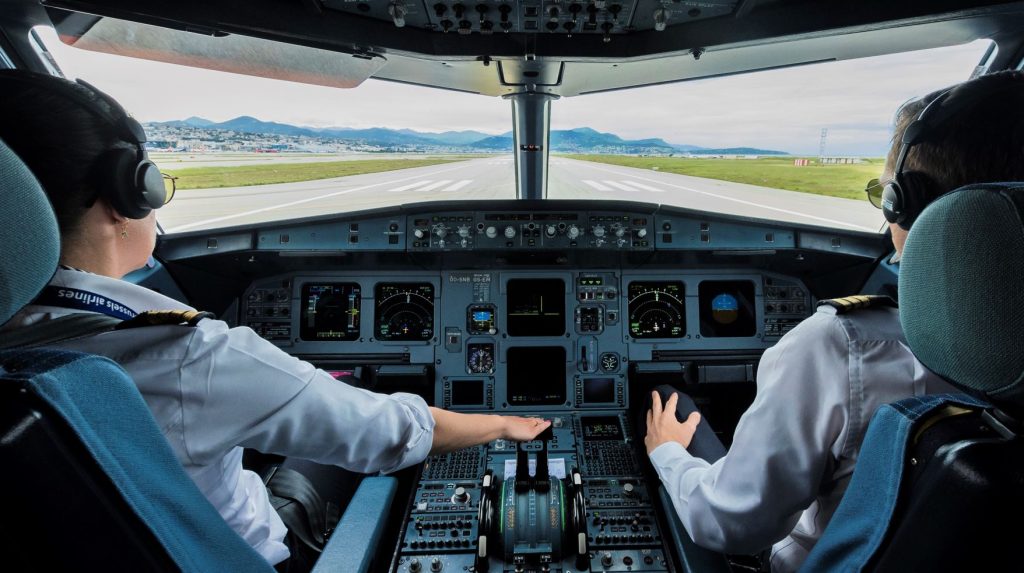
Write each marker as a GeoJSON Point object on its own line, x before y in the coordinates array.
{"type": "Point", "coordinates": [215, 389]}
{"type": "Point", "coordinates": [795, 448]}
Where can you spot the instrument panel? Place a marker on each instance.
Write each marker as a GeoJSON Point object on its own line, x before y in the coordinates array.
{"type": "Point", "coordinates": [525, 339]}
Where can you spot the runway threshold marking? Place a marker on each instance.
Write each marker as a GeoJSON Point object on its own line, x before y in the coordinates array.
{"type": "Point", "coordinates": [435, 185]}
{"type": "Point", "coordinates": [306, 200]}
{"type": "Point", "coordinates": [596, 185]}
{"type": "Point", "coordinates": [409, 186]}
{"type": "Point", "coordinates": [644, 187]}
{"type": "Point", "coordinates": [458, 185]}
{"type": "Point", "coordinates": [621, 186]}
{"type": "Point", "coordinates": [735, 200]}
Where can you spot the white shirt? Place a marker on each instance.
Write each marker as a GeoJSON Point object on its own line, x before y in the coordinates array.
{"type": "Point", "coordinates": [794, 449]}
{"type": "Point", "coordinates": [214, 390]}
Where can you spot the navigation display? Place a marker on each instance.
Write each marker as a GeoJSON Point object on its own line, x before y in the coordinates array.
{"type": "Point", "coordinates": [330, 311]}
{"type": "Point", "coordinates": [536, 376]}
{"type": "Point", "coordinates": [727, 309]}
{"type": "Point", "coordinates": [657, 309]}
{"type": "Point", "coordinates": [601, 428]}
{"type": "Point", "coordinates": [536, 307]}
{"type": "Point", "coordinates": [404, 311]}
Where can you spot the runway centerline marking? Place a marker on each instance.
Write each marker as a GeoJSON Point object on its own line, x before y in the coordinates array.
{"type": "Point", "coordinates": [742, 201]}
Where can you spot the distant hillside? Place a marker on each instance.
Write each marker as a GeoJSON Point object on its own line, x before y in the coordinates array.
{"type": "Point", "coordinates": [579, 140]}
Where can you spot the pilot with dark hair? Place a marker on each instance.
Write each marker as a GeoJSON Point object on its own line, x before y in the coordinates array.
{"type": "Point", "coordinates": [213, 389]}
{"type": "Point", "coordinates": [795, 448]}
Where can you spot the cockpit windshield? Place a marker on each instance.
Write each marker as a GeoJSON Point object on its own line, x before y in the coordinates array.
{"type": "Point", "coordinates": [794, 144]}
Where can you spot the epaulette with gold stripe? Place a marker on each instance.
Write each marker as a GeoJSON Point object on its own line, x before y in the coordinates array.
{"type": "Point", "coordinates": [165, 317]}
{"type": "Point", "coordinates": [852, 303]}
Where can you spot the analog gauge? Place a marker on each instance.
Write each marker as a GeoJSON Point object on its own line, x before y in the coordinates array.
{"type": "Point", "coordinates": [404, 311]}
{"type": "Point", "coordinates": [609, 362]}
{"type": "Point", "coordinates": [657, 310]}
{"type": "Point", "coordinates": [480, 358]}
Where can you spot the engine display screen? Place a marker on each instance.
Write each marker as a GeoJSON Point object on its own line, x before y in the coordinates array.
{"type": "Point", "coordinates": [536, 307]}
{"type": "Point", "coordinates": [330, 311]}
{"type": "Point", "coordinates": [727, 309]}
{"type": "Point", "coordinates": [467, 392]}
{"type": "Point", "coordinates": [601, 428]}
{"type": "Point", "coordinates": [536, 376]}
{"type": "Point", "coordinates": [598, 390]}
{"type": "Point", "coordinates": [480, 319]}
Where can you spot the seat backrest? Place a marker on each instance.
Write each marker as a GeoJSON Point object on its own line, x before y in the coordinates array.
{"type": "Point", "coordinates": [939, 484]}
{"type": "Point", "coordinates": [88, 480]}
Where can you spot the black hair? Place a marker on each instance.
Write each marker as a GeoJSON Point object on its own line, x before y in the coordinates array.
{"type": "Point", "coordinates": [60, 141]}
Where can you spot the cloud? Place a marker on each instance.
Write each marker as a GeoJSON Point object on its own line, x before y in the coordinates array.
{"type": "Point", "coordinates": [779, 109]}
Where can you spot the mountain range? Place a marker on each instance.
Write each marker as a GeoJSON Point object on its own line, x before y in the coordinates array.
{"type": "Point", "coordinates": [579, 140]}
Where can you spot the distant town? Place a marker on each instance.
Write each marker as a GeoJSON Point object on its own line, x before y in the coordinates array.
{"type": "Point", "coordinates": [248, 134]}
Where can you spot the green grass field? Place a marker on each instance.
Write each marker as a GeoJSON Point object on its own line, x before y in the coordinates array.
{"type": "Point", "coordinates": [847, 181]}
{"type": "Point", "coordinates": [209, 177]}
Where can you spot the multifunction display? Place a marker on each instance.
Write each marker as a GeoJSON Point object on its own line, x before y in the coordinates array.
{"type": "Point", "coordinates": [404, 311]}
{"type": "Point", "coordinates": [601, 428]}
{"type": "Point", "coordinates": [330, 311]}
{"type": "Point", "coordinates": [657, 309]}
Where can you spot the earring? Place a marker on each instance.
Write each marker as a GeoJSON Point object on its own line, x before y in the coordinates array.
{"type": "Point", "coordinates": [124, 230]}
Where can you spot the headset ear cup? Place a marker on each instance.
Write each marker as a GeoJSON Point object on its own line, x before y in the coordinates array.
{"type": "Point", "coordinates": [117, 181]}
{"type": "Point", "coordinates": [892, 202]}
{"type": "Point", "coordinates": [149, 183]}
{"type": "Point", "coordinates": [915, 186]}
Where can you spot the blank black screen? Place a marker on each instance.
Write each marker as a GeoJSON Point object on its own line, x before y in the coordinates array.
{"type": "Point", "coordinates": [536, 376]}
{"type": "Point", "coordinates": [467, 392]}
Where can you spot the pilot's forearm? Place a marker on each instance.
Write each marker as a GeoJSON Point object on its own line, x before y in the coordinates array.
{"type": "Point", "coordinates": [453, 431]}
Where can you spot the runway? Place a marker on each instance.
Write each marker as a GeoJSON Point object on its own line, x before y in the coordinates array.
{"type": "Point", "coordinates": [494, 178]}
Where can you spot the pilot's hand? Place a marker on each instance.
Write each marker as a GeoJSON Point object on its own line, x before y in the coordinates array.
{"type": "Point", "coordinates": [662, 425]}
{"type": "Point", "coordinates": [523, 429]}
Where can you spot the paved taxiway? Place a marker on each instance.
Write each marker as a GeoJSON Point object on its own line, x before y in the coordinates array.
{"type": "Point", "coordinates": [494, 178]}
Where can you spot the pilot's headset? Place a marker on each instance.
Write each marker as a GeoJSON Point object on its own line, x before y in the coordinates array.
{"type": "Point", "coordinates": [907, 194]}
{"type": "Point", "coordinates": [126, 178]}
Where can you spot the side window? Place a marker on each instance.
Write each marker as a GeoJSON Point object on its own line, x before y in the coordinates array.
{"type": "Point", "coordinates": [44, 55]}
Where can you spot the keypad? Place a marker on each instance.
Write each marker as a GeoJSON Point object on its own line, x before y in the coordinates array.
{"type": "Point", "coordinates": [463, 464]}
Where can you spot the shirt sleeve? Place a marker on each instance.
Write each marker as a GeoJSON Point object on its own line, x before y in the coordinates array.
{"type": "Point", "coordinates": [237, 389]}
{"type": "Point", "coordinates": [781, 450]}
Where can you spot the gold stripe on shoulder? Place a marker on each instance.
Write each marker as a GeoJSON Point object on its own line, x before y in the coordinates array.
{"type": "Point", "coordinates": [848, 304]}
{"type": "Point", "coordinates": [165, 317]}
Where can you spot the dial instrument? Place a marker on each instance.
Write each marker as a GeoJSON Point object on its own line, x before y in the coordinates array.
{"type": "Point", "coordinates": [657, 309]}
{"type": "Point", "coordinates": [609, 362]}
{"type": "Point", "coordinates": [404, 311]}
{"type": "Point", "coordinates": [480, 358]}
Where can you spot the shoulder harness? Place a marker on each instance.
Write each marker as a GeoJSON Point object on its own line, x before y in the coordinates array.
{"type": "Point", "coordinates": [858, 301]}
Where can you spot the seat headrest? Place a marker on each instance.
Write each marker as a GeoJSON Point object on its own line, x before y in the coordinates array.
{"type": "Point", "coordinates": [29, 240]}
{"type": "Point", "coordinates": [961, 282]}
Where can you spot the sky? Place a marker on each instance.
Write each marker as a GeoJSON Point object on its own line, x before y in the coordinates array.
{"type": "Point", "coordinates": [780, 109]}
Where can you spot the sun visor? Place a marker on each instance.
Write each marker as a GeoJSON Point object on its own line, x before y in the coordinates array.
{"type": "Point", "coordinates": [224, 52]}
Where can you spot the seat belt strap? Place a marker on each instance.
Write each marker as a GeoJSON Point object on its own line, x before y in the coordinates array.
{"type": "Point", "coordinates": [300, 506]}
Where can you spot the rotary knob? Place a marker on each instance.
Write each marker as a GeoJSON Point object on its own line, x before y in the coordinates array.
{"type": "Point", "coordinates": [419, 233]}
{"type": "Point", "coordinates": [641, 233]}
{"type": "Point", "coordinates": [606, 559]}
{"type": "Point", "coordinates": [598, 230]}
{"type": "Point", "coordinates": [550, 230]}
{"type": "Point", "coordinates": [629, 490]}
{"type": "Point", "coordinates": [619, 230]}
{"type": "Point", "coordinates": [573, 232]}
{"type": "Point", "coordinates": [491, 232]}
{"type": "Point", "coordinates": [461, 495]}
{"type": "Point", "coordinates": [436, 564]}
{"type": "Point", "coordinates": [510, 232]}
{"type": "Point", "coordinates": [414, 566]}
{"type": "Point", "coordinates": [463, 231]}
{"type": "Point", "coordinates": [441, 231]}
